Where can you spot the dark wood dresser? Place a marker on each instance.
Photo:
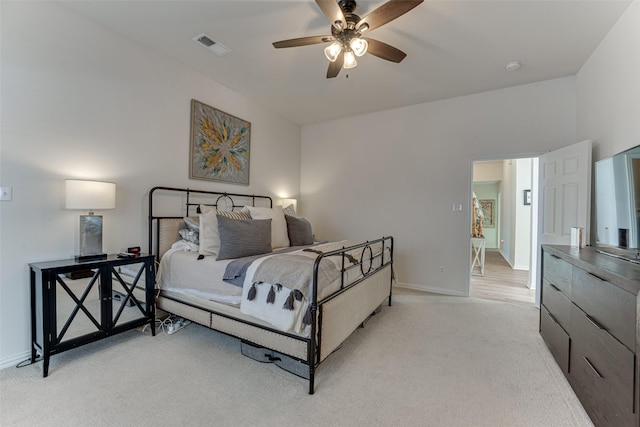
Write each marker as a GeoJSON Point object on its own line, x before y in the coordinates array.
{"type": "Point", "coordinates": [589, 319]}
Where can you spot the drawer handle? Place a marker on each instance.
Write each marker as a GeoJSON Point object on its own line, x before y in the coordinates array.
{"type": "Point", "coordinates": [554, 287]}
{"type": "Point", "coordinates": [593, 322]}
{"type": "Point", "coordinates": [553, 318]}
{"type": "Point", "coordinates": [597, 277]}
{"type": "Point", "coordinates": [593, 368]}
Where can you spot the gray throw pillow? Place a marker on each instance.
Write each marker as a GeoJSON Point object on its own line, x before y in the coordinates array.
{"type": "Point", "coordinates": [243, 237]}
{"type": "Point", "coordinates": [299, 230]}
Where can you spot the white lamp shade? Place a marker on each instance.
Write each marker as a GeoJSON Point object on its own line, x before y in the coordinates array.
{"type": "Point", "coordinates": [332, 51]}
{"type": "Point", "coordinates": [90, 195]}
{"type": "Point", "coordinates": [359, 46]}
{"type": "Point", "coordinates": [349, 60]}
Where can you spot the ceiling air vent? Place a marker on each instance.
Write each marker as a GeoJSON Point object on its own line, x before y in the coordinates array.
{"type": "Point", "coordinates": [212, 45]}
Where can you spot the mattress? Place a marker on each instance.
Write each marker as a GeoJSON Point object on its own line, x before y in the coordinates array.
{"type": "Point", "coordinates": [181, 272]}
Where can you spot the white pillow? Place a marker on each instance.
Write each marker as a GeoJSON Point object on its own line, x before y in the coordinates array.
{"type": "Point", "coordinates": [209, 236]}
{"type": "Point", "coordinates": [279, 235]}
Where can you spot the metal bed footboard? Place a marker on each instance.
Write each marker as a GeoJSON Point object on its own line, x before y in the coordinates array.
{"type": "Point", "coordinates": [369, 263]}
{"type": "Point", "coordinates": [366, 254]}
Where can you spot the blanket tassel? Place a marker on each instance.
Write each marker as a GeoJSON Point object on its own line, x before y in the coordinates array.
{"type": "Point", "coordinates": [288, 304]}
{"type": "Point", "coordinates": [271, 298]}
{"type": "Point", "coordinates": [251, 295]}
{"type": "Point", "coordinates": [306, 320]}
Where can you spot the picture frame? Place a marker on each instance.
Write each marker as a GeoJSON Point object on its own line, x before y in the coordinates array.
{"type": "Point", "coordinates": [488, 212]}
{"type": "Point", "coordinates": [220, 145]}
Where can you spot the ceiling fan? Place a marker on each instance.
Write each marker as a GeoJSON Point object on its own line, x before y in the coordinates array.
{"type": "Point", "coordinates": [347, 29]}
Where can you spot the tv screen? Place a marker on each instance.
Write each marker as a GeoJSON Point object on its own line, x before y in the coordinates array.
{"type": "Point", "coordinates": [617, 200]}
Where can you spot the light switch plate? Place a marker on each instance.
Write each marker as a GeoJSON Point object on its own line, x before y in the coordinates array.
{"type": "Point", "coordinates": [5, 193]}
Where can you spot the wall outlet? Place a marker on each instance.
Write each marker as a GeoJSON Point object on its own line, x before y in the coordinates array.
{"type": "Point", "coordinates": [5, 193]}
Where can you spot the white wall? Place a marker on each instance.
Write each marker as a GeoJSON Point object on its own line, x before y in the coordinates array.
{"type": "Point", "coordinates": [522, 241]}
{"type": "Point", "coordinates": [487, 171]}
{"type": "Point", "coordinates": [608, 89]}
{"type": "Point", "coordinates": [80, 102]}
{"type": "Point", "coordinates": [399, 172]}
{"type": "Point", "coordinates": [507, 212]}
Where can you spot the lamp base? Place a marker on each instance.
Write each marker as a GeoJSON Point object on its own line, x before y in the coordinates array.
{"type": "Point", "coordinates": [90, 238]}
{"type": "Point", "coordinates": [84, 258]}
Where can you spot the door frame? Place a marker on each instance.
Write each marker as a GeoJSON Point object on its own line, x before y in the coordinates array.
{"type": "Point", "coordinates": [533, 257]}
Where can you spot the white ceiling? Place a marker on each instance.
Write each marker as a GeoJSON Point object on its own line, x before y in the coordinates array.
{"type": "Point", "coordinates": [453, 48]}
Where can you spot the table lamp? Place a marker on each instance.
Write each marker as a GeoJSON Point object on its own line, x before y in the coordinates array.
{"type": "Point", "coordinates": [90, 196]}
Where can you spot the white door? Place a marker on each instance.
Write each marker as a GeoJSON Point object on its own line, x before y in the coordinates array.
{"type": "Point", "coordinates": [564, 198]}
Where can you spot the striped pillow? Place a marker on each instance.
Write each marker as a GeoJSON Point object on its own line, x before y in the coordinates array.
{"type": "Point", "coordinates": [290, 211]}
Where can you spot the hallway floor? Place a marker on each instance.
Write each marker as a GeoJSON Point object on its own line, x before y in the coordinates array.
{"type": "Point", "coordinates": [500, 282]}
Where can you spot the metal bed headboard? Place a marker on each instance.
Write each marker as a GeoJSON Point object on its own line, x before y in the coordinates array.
{"type": "Point", "coordinates": [225, 200]}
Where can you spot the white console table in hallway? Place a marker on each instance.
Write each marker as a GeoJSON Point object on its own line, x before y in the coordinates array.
{"type": "Point", "coordinates": [477, 252]}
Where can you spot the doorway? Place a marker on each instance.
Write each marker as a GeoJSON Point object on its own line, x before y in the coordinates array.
{"type": "Point", "coordinates": [504, 223]}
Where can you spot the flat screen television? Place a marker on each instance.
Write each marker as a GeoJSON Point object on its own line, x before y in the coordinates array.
{"type": "Point", "coordinates": [617, 204]}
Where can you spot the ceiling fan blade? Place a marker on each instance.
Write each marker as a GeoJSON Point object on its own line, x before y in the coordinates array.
{"type": "Point", "coordinates": [303, 41]}
{"type": "Point", "coordinates": [335, 67]}
{"type": "Point", "coordinates": [332, 11]}
{"type": "Point", "coordinates": [384, 51]}
{"type": "Point", "coordinates": [388, 12]}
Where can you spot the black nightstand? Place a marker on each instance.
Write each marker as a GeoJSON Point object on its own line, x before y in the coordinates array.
{"type": "Point", "coordinates": [75, 303]}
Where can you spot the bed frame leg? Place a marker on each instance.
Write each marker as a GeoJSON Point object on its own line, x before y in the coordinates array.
{"type": "Point", "coordinates": [311, 380]}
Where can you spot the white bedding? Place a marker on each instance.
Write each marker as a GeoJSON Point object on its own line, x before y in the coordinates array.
{"type": "Point", "coordinates": [182, 272]}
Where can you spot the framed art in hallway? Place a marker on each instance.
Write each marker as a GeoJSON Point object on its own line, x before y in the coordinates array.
{"type": "Point", "coordinates": [488, 211]}
{"type": "Point", "coordinates": [219, 145]}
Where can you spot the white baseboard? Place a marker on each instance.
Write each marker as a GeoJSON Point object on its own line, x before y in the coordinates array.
{"type": "Point", "coordinates": [12, 361]}
{"type": "Point", "coordinates": [429, 289]}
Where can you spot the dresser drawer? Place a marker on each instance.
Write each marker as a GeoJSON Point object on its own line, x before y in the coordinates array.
{"type": "Point", "coordinates": [556, 339]}
{"type": "Point", "coordinates": [601, 371]}
{"type": "Point", "coordinates": [557, 272]}
{"type": "Point", "coordinates": [556, 302]}
{"type": "Point", "coordinates": [608, 305]}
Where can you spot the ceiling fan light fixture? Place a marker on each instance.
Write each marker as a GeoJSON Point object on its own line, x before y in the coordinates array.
{"type": "Point", "coordinates": [332, 51]}
{"type": "Point", "coordinates": [349, 60]}
{"type": "Point", "coordinates": [346, 40]}
{"type": "Point", "coordinates": [359, 46]}
{"type": "Point", "coordinates": [364, 27]}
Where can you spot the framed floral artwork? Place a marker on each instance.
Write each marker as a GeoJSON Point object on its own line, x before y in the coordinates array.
{"type": "Point", "coordinates": [220, 145]}
{"type": "Point", "coordinates": [488, 212]}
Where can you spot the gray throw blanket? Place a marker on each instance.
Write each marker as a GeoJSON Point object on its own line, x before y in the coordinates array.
{"type": "Point", "coordinates": [295, 272]}
{"type": "Point", "coordinates": [236, 270]}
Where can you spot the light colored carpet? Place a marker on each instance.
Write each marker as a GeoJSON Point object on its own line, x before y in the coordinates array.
{"type": "Point", "coordinates": [425, 361]}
